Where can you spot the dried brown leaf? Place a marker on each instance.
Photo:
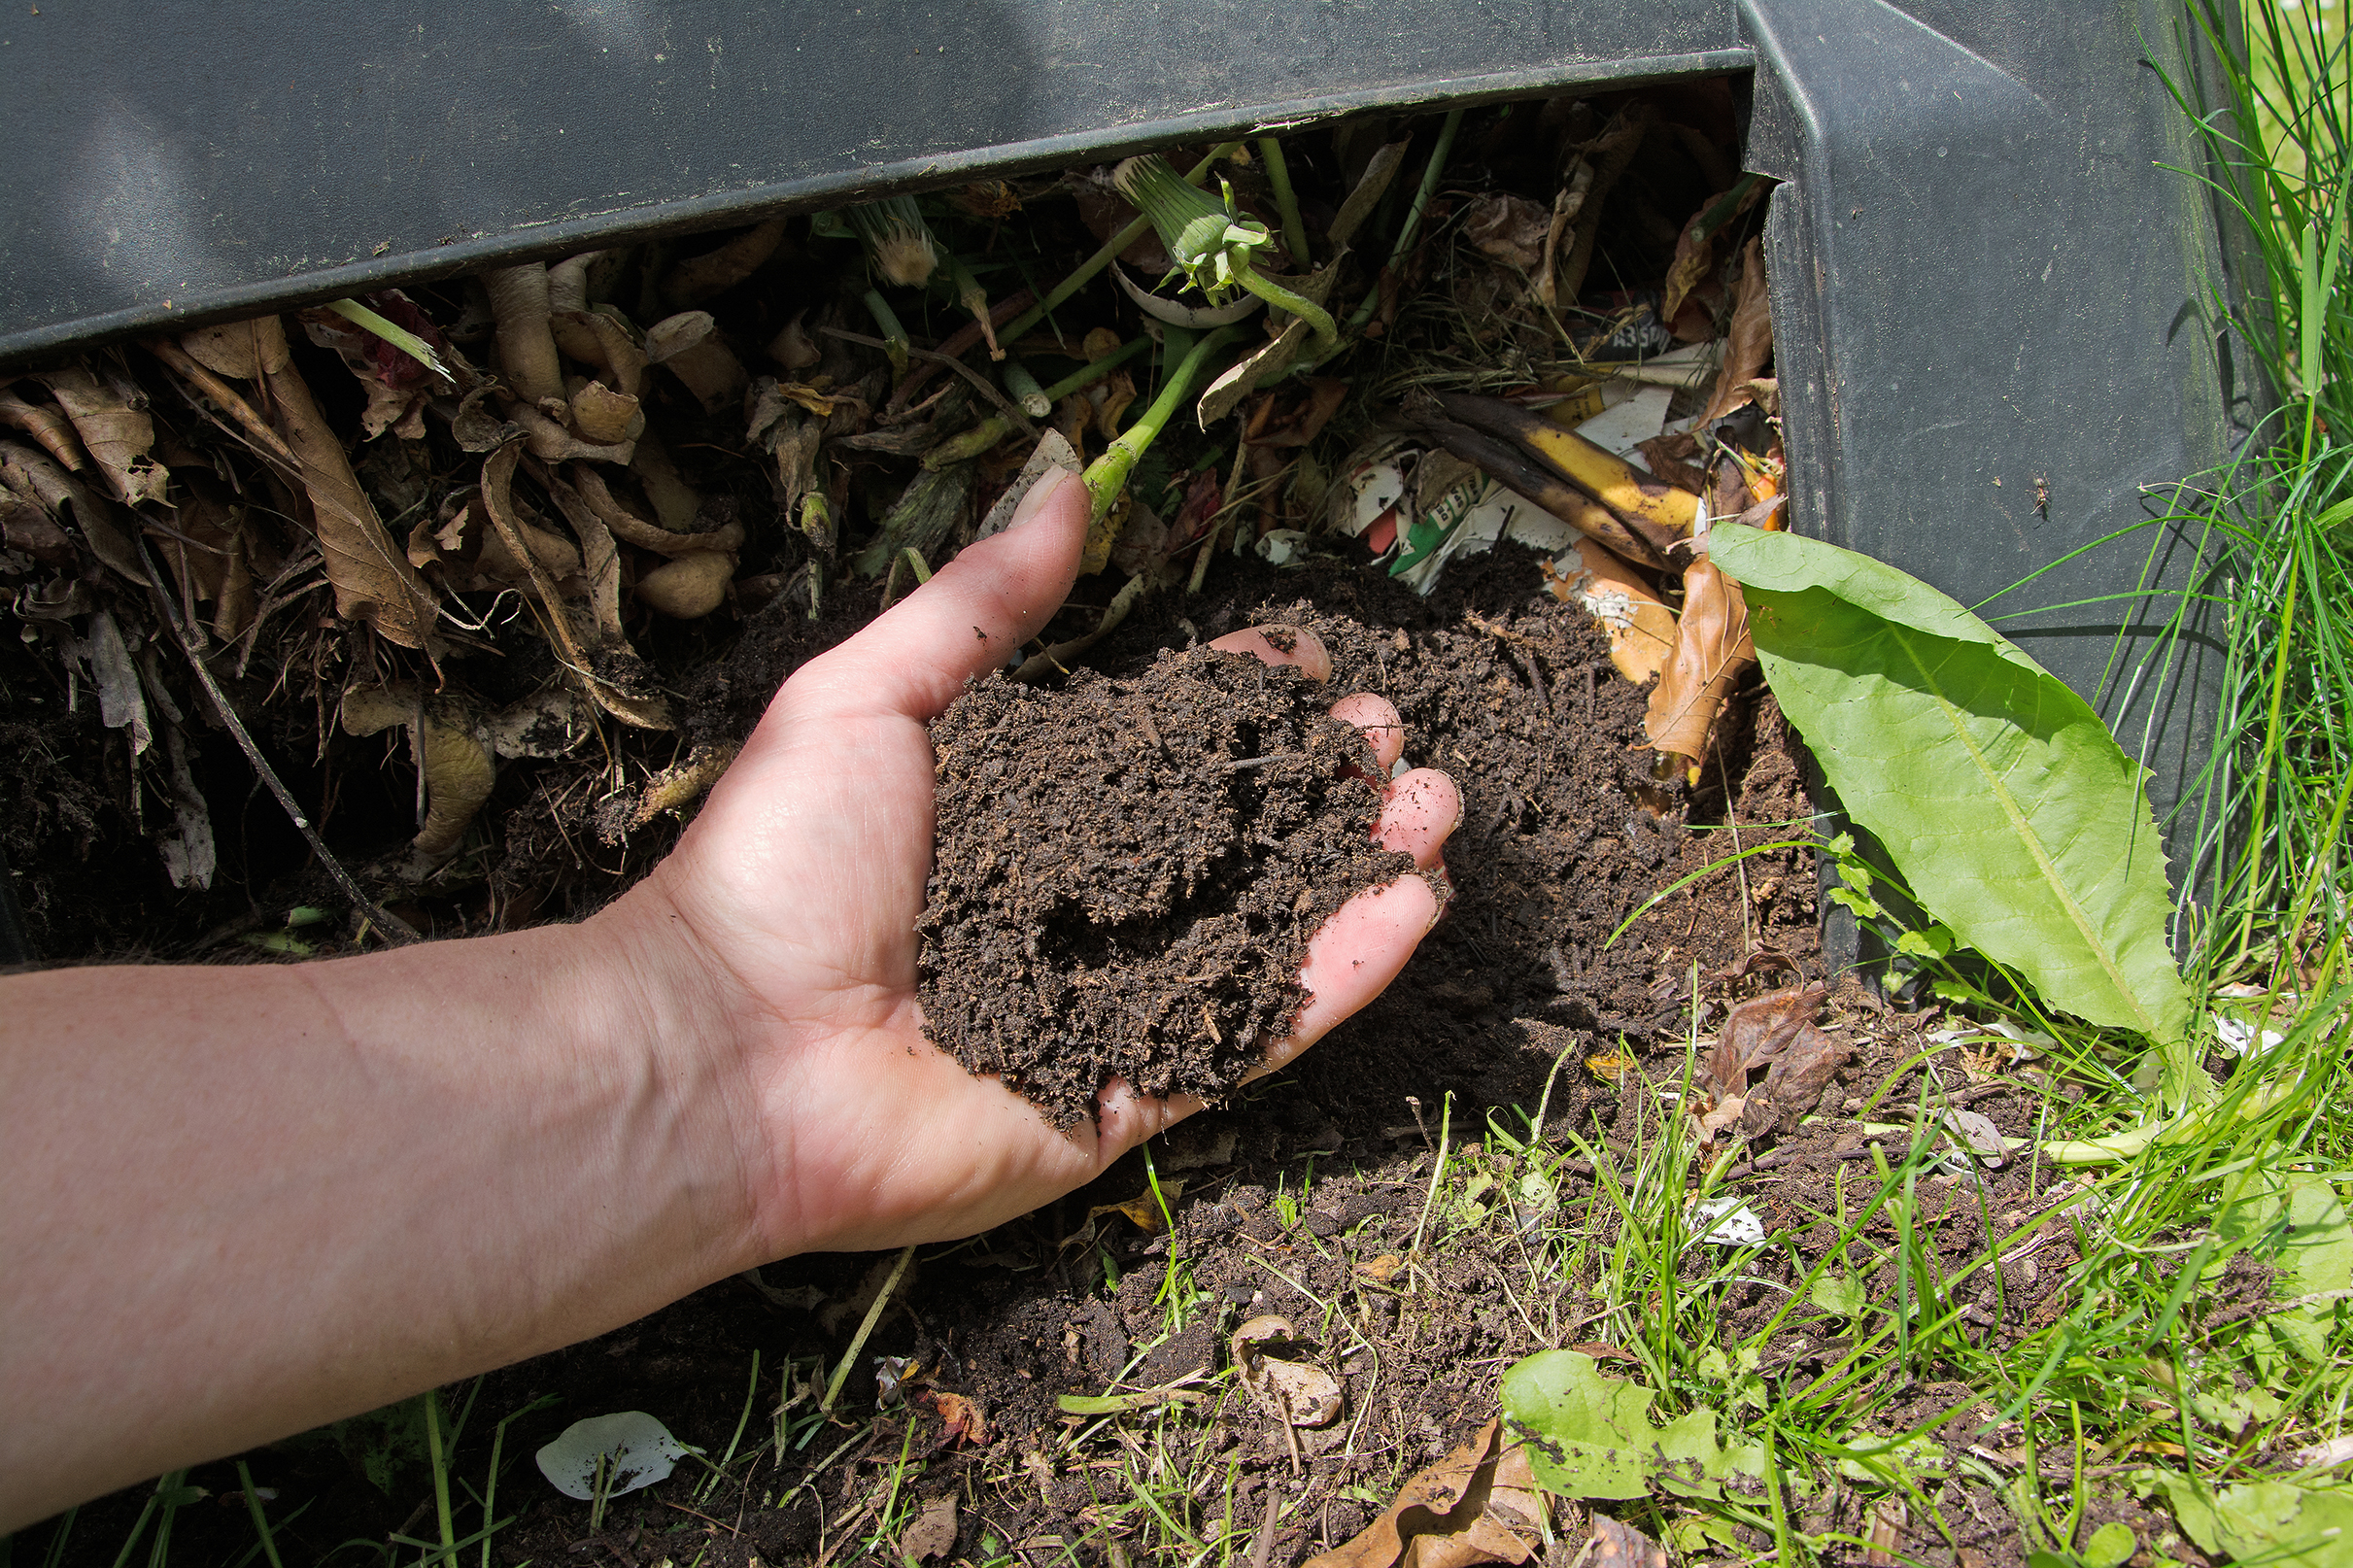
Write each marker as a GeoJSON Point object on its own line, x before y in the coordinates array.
{"type": "Point", "coordinates": [1749, 342]}
{"type": "Point", "coordinates": [1269, 362]}
{"type": "Point", "coordinates": [53, 429]}
{"type": "Point", "coordinates": [371, 575]}
{"type": "Point", "coordinates": [934, 1532]}
{"type": "Point", "coordinates": [1670, 459]}
{"type": "Point", "coordinates": [115, 434]}
{"type": "Point", "coordinates": [1479, 1504]}
{"type": "Point", "coordinates": [1509, 228]}
{"type": "Point", "coordinates": [1640, 628]}
{"type": "Point", "coordinates": [27, 472]}
{"type": "Point", "coordinates": [714, 272]}
{"type": "Point", "coordinates": [1758, 1032]}
{"type": "Point", "coordinates": [1617, 1544]}
{"type": "Point", "coordinates": [458, 773]}
{"type": "Point", "coordinates": [242, 350]}
{"type": "Point", "coordinates": [961, 1417]}
{"type": "Point", "coordinates": [1712, 649]}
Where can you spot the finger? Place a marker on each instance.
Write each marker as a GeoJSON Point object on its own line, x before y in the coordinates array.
{"type": "Point", "coordinates": [1378, 717]}
{"type": "Point", "coordinates": [1277, 644]}
{"type": "Point", "coordinates": [1354, 955]}
{"type": "Point", "coordinates": [968, 620]}
{"type": "Point", "coordinates": [1422, 807]}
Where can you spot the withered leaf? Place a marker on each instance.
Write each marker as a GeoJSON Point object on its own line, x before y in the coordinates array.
{"type": "Point", "coordinates": [47, 425]}
{"type": "Point", "coordinates": [1749, 341]}
{"type": "Point", "coordinates": [1509, 228]}
{"type": "Point", "coordinates": [371, 575]}
{"type": "Point", "coordinates": [1617, 1544]}
{"type": "Point", "coordinates": [1295, 1392]}
{"type": "Point", "coordinates": [1758, 1032]}
{"type": "Point", "coordinates": [459, 773]}
{"type": "Point", "coordinates": [27, 472]}
{"type": "Point", "coordinates": [1479, 1504]}
{"type": "Point", "coordinates": [934, 1532]}
{"type": "Point", "coordinates": [1712, 649]}
{"type": "Point", "coordinates": [960, 1417]}
{"type": "Point", "coordinates": [115, 434]}
{"type": "Point", "coordinates": [1640, 628]}
{"type": "Point", "coordinates": [1269, 362]}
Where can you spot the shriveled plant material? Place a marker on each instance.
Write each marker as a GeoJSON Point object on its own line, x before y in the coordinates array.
{"type": "Point", "coordinates": [1127, 871]}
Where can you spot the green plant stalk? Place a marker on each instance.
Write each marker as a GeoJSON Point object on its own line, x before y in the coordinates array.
{"type": "Point", "coordinates": [1107, 475]}
{"type": "Point", "coordinates": [1024, 389]}
{"type": "Point", "coordinates": [490, 1487]}
{"type": "Point", "coordinates": [600, 1493]}
{"type": "Point", "coordinates": [866, 1327]}
{"type": "Point", "coordinates": [1319, 319]}
{"type": "Point", "coordinates": [1084, 273]}
{"type": "Point", "coordinates": [711, 1482]}
{"type": "Point", "coordinates": [895, 341]}
{"type": "Point", "coordinates": [442, 1470]}
{"type": "Point", "coordinates": [993, 430]}
{"type": "Point", "coordinates": [2271, 747]}
{"type": "Point", "coordinates": [399, 337]}
{"type": "Point", "coordinates": [59, 1538]}
{"type": "Point", "coordinates": [1286, 200]}
{"type": "Point", "coordinates": [261, 1524]}
{"type": "Point", "coordinates": [1430, 175]}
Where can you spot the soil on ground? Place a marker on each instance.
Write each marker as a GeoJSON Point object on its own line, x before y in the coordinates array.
{"type": "Point", "coordinates": [1125, 872]}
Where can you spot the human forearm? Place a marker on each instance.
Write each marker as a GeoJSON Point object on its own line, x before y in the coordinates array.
{"type": "Point", "coordinates": [245, 1201]}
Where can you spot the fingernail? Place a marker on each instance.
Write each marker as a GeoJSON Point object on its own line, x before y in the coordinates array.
{"type": "Point", "coordinates": [1048, 485]}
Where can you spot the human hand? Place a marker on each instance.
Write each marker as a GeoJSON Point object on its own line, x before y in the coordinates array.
{"type": "Point", "coordinates": [792, 900]}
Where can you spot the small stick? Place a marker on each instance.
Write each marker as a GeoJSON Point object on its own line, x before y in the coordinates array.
{"type": "Point", "coordinates": [988, 387]}
{"type": "Point", "coordinates": [252, 754]}
{"type": "Point", "coordinates": [874, 1315]}
{"type": "Point", "coordinates": [956, 345]}
{"type": "Point", "coordinates": [176, 359]}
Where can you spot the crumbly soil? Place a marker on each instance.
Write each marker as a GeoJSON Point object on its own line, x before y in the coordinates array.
{"type": "Point", "coordinates": [1125, 872]}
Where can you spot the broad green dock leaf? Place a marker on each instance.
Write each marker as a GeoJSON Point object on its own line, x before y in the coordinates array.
{"type": "Point", "coordinates": [2005, 802]}
{"type": "Point", "coordinates": [1590, 1436]}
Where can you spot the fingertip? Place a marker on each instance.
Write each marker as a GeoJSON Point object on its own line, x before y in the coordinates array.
{"type": "Point", "coordinates": [1377, 717]}
{"type": "Point", "coordinates": [1355, 954]}
{"type": "Point", "coordinates": [1275, 643]}
{"type": "Point", "coordinates": [1424, 808]}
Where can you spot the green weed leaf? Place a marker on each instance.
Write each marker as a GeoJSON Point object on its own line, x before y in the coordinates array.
{"type": "Point", "coordinates": [2272, 1521]}
{"type": "Point", "coordinates": [2007, 807]}
{"type": "Point", "coordinates": [1590, 1436]}
{"type": "Point", "coordinates": [2110, 1545]}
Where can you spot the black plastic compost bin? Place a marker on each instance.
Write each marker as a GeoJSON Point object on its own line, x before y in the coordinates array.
{"type": "Point", "coordinates": [1990, 296]}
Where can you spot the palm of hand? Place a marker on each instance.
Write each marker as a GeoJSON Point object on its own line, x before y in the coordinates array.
{"type": "Point", "coordinates": [800, 883]}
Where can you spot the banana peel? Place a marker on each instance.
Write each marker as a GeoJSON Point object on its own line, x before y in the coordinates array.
{"type": "Point", "coordinates": [1661, 514]}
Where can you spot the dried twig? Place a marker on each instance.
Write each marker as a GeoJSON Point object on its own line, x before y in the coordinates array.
{"type": "Point", "coordinates": [381, 918]}
{"type": "Point", "coordinates": [988, 388]}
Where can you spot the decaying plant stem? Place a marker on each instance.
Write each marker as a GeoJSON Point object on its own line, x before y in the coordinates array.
{"type": "Point", "coordinates": [527, 342]}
